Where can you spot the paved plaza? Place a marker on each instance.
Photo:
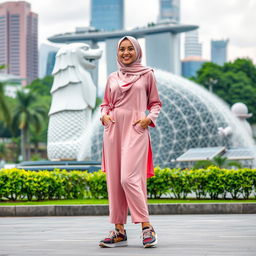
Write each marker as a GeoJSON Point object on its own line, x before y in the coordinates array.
{"type": "Point", "coordinates": [178, 235]}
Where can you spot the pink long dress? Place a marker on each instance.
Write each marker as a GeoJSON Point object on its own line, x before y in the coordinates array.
{"type": "Point", "coordinates": [126, 153]}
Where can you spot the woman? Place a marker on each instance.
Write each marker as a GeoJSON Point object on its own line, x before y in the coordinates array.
{"type": "Point", "coordinates": [126, 153]}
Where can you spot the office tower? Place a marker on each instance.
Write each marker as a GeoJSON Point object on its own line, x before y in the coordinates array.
{"type": "Point", "coordinates": [190, 65]}
{"type": "Point", "coordinates": [46, 59]}
{"type": "Point", "coordinates": [107, 15]}
{"type": "Point", "coordinates": [192, 46]}
{"type": "Point", "coordinates": [219, 51]}
{"type": "Point", "coordinates": [18, 40]}
{"type": "Point", "coordinates": [170, 10]}
{"type": "Point", "coordinates": [50, 62]}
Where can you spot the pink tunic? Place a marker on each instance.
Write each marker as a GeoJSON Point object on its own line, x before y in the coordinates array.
{"type": "Point", "coordinates": [125, 143]}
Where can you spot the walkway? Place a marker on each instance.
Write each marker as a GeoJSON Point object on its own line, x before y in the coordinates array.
{"type": "Point", "coordinates": [180, 235]}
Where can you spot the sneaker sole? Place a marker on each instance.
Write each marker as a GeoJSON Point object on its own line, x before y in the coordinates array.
{"type": "Point", "coordinates": [152, 244]}
{"type": "Point", "coordinates": [119, 244]}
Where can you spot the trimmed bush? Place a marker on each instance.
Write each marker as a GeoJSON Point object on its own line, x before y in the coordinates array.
{"type": "Point", "coordinates": [213, 182]}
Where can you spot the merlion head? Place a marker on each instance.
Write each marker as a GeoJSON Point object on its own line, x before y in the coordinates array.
{"type": "Point", "coordinates": [76, 54]}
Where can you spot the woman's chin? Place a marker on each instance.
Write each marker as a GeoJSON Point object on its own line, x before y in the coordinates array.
{"type": "Point", "coordinates": [127, 62]}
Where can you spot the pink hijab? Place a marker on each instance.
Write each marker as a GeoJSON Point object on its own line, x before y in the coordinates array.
{"type": "Point", "coordinates": [128, 74]}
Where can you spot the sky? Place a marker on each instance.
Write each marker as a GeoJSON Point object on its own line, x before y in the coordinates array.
{"type": "Point", "coordinates": [218, 19]}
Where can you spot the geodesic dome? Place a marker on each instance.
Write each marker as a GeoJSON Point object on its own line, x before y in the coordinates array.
{"type": "Point", "coordinates": [189, 118]}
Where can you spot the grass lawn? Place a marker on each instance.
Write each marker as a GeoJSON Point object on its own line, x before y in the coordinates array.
{"type": "Point", "coordinates": [105, 201]}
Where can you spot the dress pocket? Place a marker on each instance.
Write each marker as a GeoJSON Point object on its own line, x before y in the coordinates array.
{"type": "Point", "coordinates": [138, 128]}
{"type": "Point", "coordinates": [107, 125]}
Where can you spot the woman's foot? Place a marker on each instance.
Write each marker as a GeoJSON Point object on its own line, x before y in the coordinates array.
{"type": "Point", "coordinates": [149, 237]}
{"type": "Point", "coordinates": [114, 239]}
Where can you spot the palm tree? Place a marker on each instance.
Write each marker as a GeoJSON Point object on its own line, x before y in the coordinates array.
{"type": "Point", "coordinates": [219, 161]}
{"type": "Point", "coordinates": [27, 115]}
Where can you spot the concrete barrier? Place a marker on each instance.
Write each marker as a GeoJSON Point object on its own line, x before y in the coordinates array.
{"type": "Point", "coordinates": [102, 209]}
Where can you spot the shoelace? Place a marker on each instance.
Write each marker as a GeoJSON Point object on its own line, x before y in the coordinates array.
{"type": "Point", "coordinates": [112, 233]}
{"type": "Point", "coordinates": [146, 233]}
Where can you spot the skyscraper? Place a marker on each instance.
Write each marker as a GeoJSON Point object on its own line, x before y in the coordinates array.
{"type": "Point", "coordinates": [219, 51]}
{"type": "Point", "coordinates": [50, 62]}
{"type": "Point", "coordinates": [190, 65]}
{"type": "Point", "coordinates": [18, 40]}
{"type": "Point", "coordinates": [170, 10]}
{"type": "Point", "coordinates": [107, 14]}
{"type": "Point", "coordinates": [192, 46]}
{"type": "Point", "coordinates": [193, 52]}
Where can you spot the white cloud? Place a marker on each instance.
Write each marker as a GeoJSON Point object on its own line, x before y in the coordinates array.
{"type": "Point", "coordinates": [232, 19]}
{"type": "Point", "coordinates": [218, 19]}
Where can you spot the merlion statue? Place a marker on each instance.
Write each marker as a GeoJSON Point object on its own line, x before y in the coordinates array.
{"type": "Point", "coordinates": [73, 98]}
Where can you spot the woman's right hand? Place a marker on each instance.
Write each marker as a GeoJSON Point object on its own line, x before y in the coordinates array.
{"type": "Point", "coordinates": [106, 119]}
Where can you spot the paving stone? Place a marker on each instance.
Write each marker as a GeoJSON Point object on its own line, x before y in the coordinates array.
{"type": "Point", "coordinates": [182, 235]}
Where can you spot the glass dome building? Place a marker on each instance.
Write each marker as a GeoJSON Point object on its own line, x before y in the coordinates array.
{"type": "Point", "coordinates": [190, 118]}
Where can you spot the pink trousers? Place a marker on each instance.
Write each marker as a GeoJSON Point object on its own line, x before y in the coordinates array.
{"type": "Point", "coordinates": [126, 157]}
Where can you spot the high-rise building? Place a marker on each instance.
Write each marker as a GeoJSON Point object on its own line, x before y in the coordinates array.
{"type": "Point", "coordinates": [46, 59]}
{"type": "Point", "coordinates": [18, 40]}
{"type": "Point", "coordinates": [219, 51]}
{"type": "Point", "coordinates": [50, 62]}
{"type": "Point", "coordinates": [170, 10]}
{"type": "Point", "coordinates": [191, 65]}
{"type": "Point", "coordinates": [192, 46]}
{"type": "Point", "coordinates": [107, 15]}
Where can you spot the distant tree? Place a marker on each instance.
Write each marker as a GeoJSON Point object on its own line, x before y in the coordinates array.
{"type": "Point", "coordinates": [42, 86]}
{"type": "Point", "coordinates": [233, 82]}
{"type": "Point", "coordinates": [27, 115]}
{"type": "Point", "coordinates": [2, 151]}
{"type": "Point", "coordinates": [219, 161]}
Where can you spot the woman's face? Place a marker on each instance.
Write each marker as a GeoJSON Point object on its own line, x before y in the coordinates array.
{"type": "Point", "coordinates": [126, 52]}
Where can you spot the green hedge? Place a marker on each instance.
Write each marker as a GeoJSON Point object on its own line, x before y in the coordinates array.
{"type": "Point", "coordinates": [213, 182]}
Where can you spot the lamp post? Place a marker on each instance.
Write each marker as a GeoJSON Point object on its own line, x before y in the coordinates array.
{"type": "Point", "coordinates": [210, 83]}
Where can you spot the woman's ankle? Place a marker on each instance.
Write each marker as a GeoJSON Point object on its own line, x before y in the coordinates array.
{"type": "Point", "coordinates": [145, 224]}
{"type": "Point", "coordinates": [120, 227]}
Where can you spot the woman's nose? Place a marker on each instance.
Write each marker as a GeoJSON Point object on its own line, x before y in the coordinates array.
{"type": "Point", "coordinates": [126, 51]}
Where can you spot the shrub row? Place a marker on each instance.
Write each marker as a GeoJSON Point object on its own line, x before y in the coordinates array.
{"type": "Point", "coordinates": [16, 184]}
{"type": "Point", "coordinates": [213, 182]}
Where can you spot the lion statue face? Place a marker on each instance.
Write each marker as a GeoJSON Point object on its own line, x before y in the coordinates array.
{"type": "Point", "coordinates": [85, 55]}
{"type": "Point", "coordinates": [74, 55]}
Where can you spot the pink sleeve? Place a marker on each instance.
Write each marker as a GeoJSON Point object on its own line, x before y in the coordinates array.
{"type": "Point", "coordinates": [154, 104]}
{"type": "Point", "coordinates": [105, 103]}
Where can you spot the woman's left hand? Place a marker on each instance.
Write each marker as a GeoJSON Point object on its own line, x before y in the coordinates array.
{"type": "Point", "coordinates": [144, 123]}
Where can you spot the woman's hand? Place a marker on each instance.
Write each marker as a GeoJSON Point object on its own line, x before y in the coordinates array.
{"type": "Point", "coordinates": [106, 118]}
{"type": "Point", "coordinates": [144, 123]}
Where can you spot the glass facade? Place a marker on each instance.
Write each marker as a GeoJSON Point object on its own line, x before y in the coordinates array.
{"type": "Point", "coordinates": [192, 46]}
{"type": "Point", "coordinates": [189, 68]}
{"type": "Point", "coordinates": [107, 15]}
{"type": "Point", "coordinates": [18, 40]}
{"type": "Point", "coordinates": [219, 51]}
{"type": "Point", "coordinates": [3, 42]}
{"type": "Point", "coordinates": [50, 62]}
{"type": "Point", "coordinates": [170, 9]}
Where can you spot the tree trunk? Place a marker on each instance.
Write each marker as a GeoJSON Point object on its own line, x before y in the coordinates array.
{"type": "Point", "coordinates": [23, 145]}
